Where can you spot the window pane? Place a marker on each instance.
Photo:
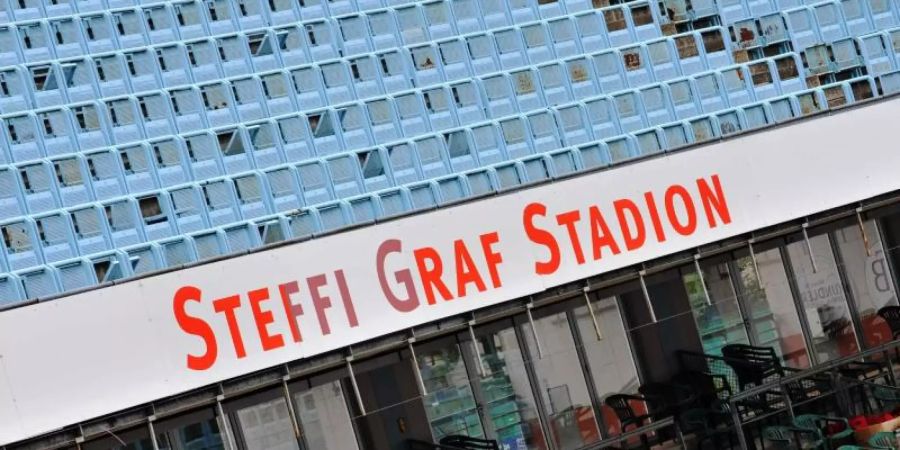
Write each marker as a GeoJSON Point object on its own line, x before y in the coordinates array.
{"type": "Point", "coordinates": [324, 419]}
{"type": "Point", "coordinates": [450, 403]}
{"type": "Point", "coordinates": [767, 298]}
{"type": "Point", "coordinates": [267, 426]}
{"type": "Point", "coordinates": [822, 296]}
{"type": "Point", "coordinates": [509, 403]}
{"type": "Point", "coordinates": [202, 435]}
{"type": "Point", "coordinates": [719, 319]}
{"type": "Point", "coordinates": [865, 265]}
{"type": "Point", "coordinates": [609, 355]}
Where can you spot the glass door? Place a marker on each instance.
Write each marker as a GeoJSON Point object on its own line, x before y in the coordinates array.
{"type": "Point", "coordinates": [608, 354]}
{"type": "Point", "coordinates": [560, 378]}
{"type": "Point", "coordinates": [503, 389]}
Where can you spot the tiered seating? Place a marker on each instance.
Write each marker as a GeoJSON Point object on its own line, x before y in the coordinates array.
{"type": "Point", "coordinates": [146, 135]}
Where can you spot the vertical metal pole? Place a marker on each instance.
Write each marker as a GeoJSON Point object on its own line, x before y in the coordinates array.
{"type": "Point", "coordinates": [862, 229]}
{"type": "Point", "coordinates": [534, 333]}
{"type": "Point", "coordinates": [153, 442]}
{"type": "Point", "coordinates": [292, 412]}
{"type": "Point", "coordinates": [647, 296]}
{"type": "Point", "coordinates": [412, 352]}
{"type": "Point", "coordinates": [812, 257]}
{"type": "Point", "coordinates": [702, 279]}
{"type": "Point", "coordinates": [787, 400]}
{"type": "Point", "coordinates": [359, 401]}
{"type": "Point", "coordinates": [738, 426]}
{"type": "Point", "coordinates": [226, 427]}
{"type": "Point", "coordinates": [755, 264]}
{"type": "Point", "coordinates": [481, 371]}
{"type": "Point", "coordinates": [590, 308]}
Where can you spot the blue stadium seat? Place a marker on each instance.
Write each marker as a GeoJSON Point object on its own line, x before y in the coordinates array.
{"type": "Point", "coordinates": [10, 286]}
{"type": "Point", "coordinates": [39, 282]}
{"type": "Point", "coordinates": [21, 244]}
{"type": "Point", "coordinates": [179, 251]}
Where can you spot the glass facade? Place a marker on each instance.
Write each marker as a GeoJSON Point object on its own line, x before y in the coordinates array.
{"type": "Point", "coordinates": [539, 378]}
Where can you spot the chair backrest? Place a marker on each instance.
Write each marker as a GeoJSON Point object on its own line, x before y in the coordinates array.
{"type": "Point", "coordinates": [621, 406]}
{"type": "Point", "coordinates": [808, 422]}
{"type": "Point", "coordinates": [891, 315]}
{"type": "Point", "coordinates": [883, 440]}
{"type": "Point", "coordinates": [469, 443]}
{"type": "Point", "coordinates": [779, 437]}
{"type": "Point", "coordinates": [752, 364]}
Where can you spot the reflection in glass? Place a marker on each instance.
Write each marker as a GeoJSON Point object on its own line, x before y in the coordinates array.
{"type": "Point", "coordinates": [143, 444]}
{"type": "Point", "coordinates": [267, 426]}
{"type": "Point", "coordinates": [509, 404]}
{"type": "Point", "coordinates": [324, 418]}
{"type": "Point", "coordinates": [449, 402]}
{"type": "Point", "coordinates": [561, 382]}
{"type": "Point", "coordinates": [822, 296]}
{"type": "Point", "coordinates": [203, 435]}
{"type": "Point", "coordinates": [718, 318]}
{"type": "Point", "coordinates": [116, 443]}
{"type": "Point", "coordinates": [774, 321]}
{"type": "Point", "coordinates": [869, 277]}
{"type": "Point", "coordinates": [609, 355]}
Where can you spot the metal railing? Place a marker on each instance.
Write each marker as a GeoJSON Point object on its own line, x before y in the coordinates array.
{"type": "Point", "coordinates": [826, 388]}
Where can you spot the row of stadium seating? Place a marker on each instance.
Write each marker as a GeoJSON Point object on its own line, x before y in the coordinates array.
{"type": "Point", "coordinates": [73, 179]}
{"type": "Point", "coordinates": [43, 252]}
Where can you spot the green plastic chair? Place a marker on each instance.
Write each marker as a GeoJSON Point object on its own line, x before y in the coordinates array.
{"type": "Point", "coordinates": [783, 437]}
{"type": "Point", "coordinates": [853, 447]}
{"type": "Point", "coordinates": [884, 440]}
{"type": "Point", "coordinates": [888, 397]}
{"type": "Point", "coordinates": [819, 423]}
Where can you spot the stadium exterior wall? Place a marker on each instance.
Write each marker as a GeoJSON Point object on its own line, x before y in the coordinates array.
{"type": "Point", "coordinates": [85, 355]}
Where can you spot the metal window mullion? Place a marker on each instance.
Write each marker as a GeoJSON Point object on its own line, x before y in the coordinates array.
{"type": "Point", "coordinates": [153, 442]}
{"type": "Point", "coordinates": [418, 373]}
{"type": "Point", "coordinates": [646, 293]}
{"type": "Point", "coordinates": [862, 230]}
{"type": "Point", "coordinates": [226, 426]}
{"type": "Point", "coordinates": [754, 261]}
{"type": "Point", "coordinates": [359, 401]}
{"type": "Point", "coordinates": [702, 279]}
{"type": "Point", "coordinates": [480, 367]}
{"type": "Point", "coordinates": [590, 308]}
{"type": "Point", "coordinates": [292, 411]}
{"type": "Point", "coordinates": [812, 256]}
{"type": "Point", "coordinates": [534, 333]}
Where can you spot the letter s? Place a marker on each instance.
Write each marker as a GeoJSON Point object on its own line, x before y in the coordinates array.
{"type": "Point", "coordinates": [198, 327]}
{"type": "Point", "coordinates": [541, 236]}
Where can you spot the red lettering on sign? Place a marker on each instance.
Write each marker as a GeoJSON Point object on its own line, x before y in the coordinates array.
{"type": "Point", "coordinates": [196, 327]}
{"type": "Point", "coordinates": [541, 237]}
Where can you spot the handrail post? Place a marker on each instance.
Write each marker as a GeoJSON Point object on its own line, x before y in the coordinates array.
{"type": "Point", "coordinates": [738, 426]}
